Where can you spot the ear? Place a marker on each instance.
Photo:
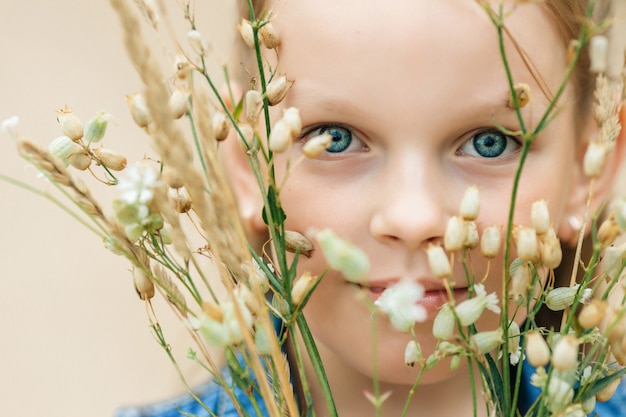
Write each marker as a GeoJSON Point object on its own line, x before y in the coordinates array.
{"type": "Point", "coordinates": [603, 186]}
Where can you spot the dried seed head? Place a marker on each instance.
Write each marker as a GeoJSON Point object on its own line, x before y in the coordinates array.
{"type": "Point", "coordinates": [412, 353]}
{"type": "Point", "coordinates": [592, 314]}
{"type": "Point", "coordinates": [138, 109]}
{"type": "Point", "coordinates": [490, 242]}
{"type": "Point", "coordinates": [302, 287]}
{"type": "Point", "coordinates": [143, 284]}
{"type": "Point", "coordinates": [438, 261]}
{"type": "Point", "coordinates": [470, 204]}
{"type": "Point", "coordinates": [80, 160]}
{"type": "Point", "coordinates": [540, 216]}
{"type": "Point", "coordinates": [220, 126]}
{"type": "Point", "coordinates": [178, 103]}
{"type": "Point", "coordinates": [269, 36]}
{"type": "Point", "coordinates": [598, 53]}
{"type": "Point", "coordinates": [471, 235]}
{"type": "Point", "coordinates": [455, 234]}
{"type": "Point", "coordinates": [608, 231]}
{"type": "Point", "coordinates": [537, 350]}
{"type": "Point", "coordinates": [595, 156]}
{"type": "Point", "coordinates": [291, 116]}
{"type": "Point", "coordinates": [565, 353]}
{"type": "Point", "coordinates": [180, 198]}
{"type": "Point", "coordinates": [316, 145]}
{"type": "Point", "coordinates": [444, 323]}
{"type": "Point", "coordinates": [277, 89]}
{"type": "Point", "coordinates": [247, 33]}
{"type": "Point", "coordinates": [280, 137]}
{"type": "Point", "coordinates": [550, 252]}
{"type": "Point", "coordinates": [64, 147]}
{"type": "Point", "coordinates": [296, 242]}
{"type": "Point", "coordinates": [254, 104]}
{"type": "Point", "coordinates": [197, 42]}
{"type": "Point", "coordinates": [96, 127]}
{"type": "Point", "coordinates": [522, 91]}
{"type": "Point", "coordinates": [527, 245]}
{"type": "Point", "coordinates": [110, 159]}
{"type": "Point", "coordinates": [70, 123]}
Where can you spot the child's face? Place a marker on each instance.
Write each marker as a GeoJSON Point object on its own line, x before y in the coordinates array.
{"type": "Point", "coordinates": [412, 92]}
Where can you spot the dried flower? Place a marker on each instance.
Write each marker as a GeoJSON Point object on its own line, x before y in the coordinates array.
{"type": "Point", "coordinates": [540, 216]}
{"type": "Point", "coordinates": [302, 287]}
{"type": "Point", "coordinates": [484, 342]}
{"type": "Point", "coordinates": [608, 231]}
{"type": "Point", "coordinates": [247, 33]}
{"type": "Point", "coordinates": [444, 323]}
{"type": "Point", "coordinates": [9, 126]}
{"type": "Point", "coordinates": [316, 145]}
{"type": "Point", "coordinates": [412, 353]}
{"type": "Point", "coordinates": [277, 89]}
{"type": "Point", "coordinates": [471, 235]}
{"type": "Point", "coordinates": [220, 126]}
{"type": "Point", "coordinates": [470, 310]}
{"type": "Point", "coordinates": [171, 177]}
{"type": "Point", "coordinates": [297, 242]}
{"type": "Point", "coordinates": [180, 198]}
{"type": "Point", "coordinates": [254, 104]}
{"type": "Point", "coordinates": [246, 138]}
{"type": "Point", "coordinates": [343, 256]}
{"type": "Point", "coordinates": [592, 314]}
{"type": "Point", "coordinates": [522, 91]}
{"type": "Point", "coordinates": [527, 245]}
{"type": "Point", "coordinates": [280, 136]}
{"type": "Point", "coordinates": [550, 252]}
{"type": "Point", "coordinates": [197, 42]}
{"type": "Point", "coordinates": [138, 109]}
{"type": "Point", "coordinates": [470, 204]}
{"type": "Point", "coordinates": [70, 123]}
{"type": "Point", "coordinates": [178, 103]}
{"type": "Point", "coordinates": [143, 284]}
{"type": "Point", "coordinates": [80, 160]}
{"type": "Point", "coordinates": [520, 280]}
{"type": "Point", "coordinates": [400, 302]}
{"type": "Point", "coordinates": [598, 53]}
{"type": "Point", "coordinates": [438, 261]}
{"type": "Point", "coordinates": [269, 36]}
{"type": "Point", "coordinates": [455, 234]}
{"type": "Point", "coordinates": [594, 159]}
{"type": "Point", "coordinates": [96, 127]}
{"type": "Point", "coordinates": [291, 116]}
{"type": "Point", "coordinates": [565, 353]}
{"type": "Point", "coordinates": [490, 242]}
{"type": "Point", "coordinates": [111, 159]}
{"type": "Point", "coordinates": [537, 350]}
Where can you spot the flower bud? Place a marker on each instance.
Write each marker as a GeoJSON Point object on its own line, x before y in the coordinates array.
{"type": "Point", "coordinates": [455, 234]}
{"type": "Point", "coordinates": [537, 350]}
{"type": "Point", "coordinates": [550, 252]}
{"type": "Point", "coordinates": [280, 137]}
{"type": "Point", "coordinates": [608, 231]}
{"type": "Point", "coordinates": [343, 256]}
{"type": "Point", "coordinates": [438, 261]}
{"type": "Point", "coordinates": [540, 216]}
{"type": "Point", "coordinates": [270, 37]}
{"type": "Point", "coordinates": [520, 281]}
{"type": "Point", "coordinates": [412, 353]}
{"type": "Point", "coordinates": [522, 91]}
{"type": "Point", "coordinates": [70, 123]}
{"type": "Point", "coordinates": [247, 33]}
{"type": "Point", "coordinates": [110, 159]}
{"type": "Point", "coordinates": [143, 285]}
{"type": "Point", "coordinates": [291, 116]}
{"type": "Point", "coordinates": [455, 362]}
{"type": "Point", "coordinates": [262, 341]}
{"type": "Point", "coordinates": [484, 342]}
{"type": "Point", "coordinates": [63, 148]}
{"type": "Point", "coordinates": [589, 405]}
{"type": "Point", "coordinates": [594, 159]}
{"type": "Point", "coordinates": [316, 145]}
{"type": "Point", "coordinates": [180, 198]}
{"type": "Point", "coordinates": [296, 242]}
{"type": "Point", "coordinates": [592, 314]}
{"type": "Point", "coordinates": [96, 127]}
{"type": "Point", "coordinates": [254, 104]}
{"type": "Point", "coordinates": [560, 298]}
{"type": "Point", "coordinates": [178, 103]}
{"type": "Point", "coordinates": [220, 126]}
{"type": "Point", "coordinates": [598, 53]}
{"type": "Point", "coordinates": [277, 89]}
{"type": "Point", "coordinates": [444, 323]}
{"type": "Point", "coordinates": [526, 241]}
{"type": "Point", "coordinates": [565, 353]}
{"type": "Point", "coordinates": [302, 287]}
{"type": "Point", "coordinates": [80, 160]}
{"type": "Point", "coordinates": [471, 235]}
{"type": "Point", "coordinates": [608, 391]}
{"type": "Point", "coordinates": [138, 109]}
{"type": "Point", "coordinates": [197, 42]}
{"type": "Point", "coordinates": [470, 204]}
{"type": "Point", "coordinates": [490, 242]}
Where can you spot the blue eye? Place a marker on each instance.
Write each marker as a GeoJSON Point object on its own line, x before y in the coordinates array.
{"type": "Point", "coordinates": [489, 144]}
{"type": "Point", "coordinates": [341, 138]}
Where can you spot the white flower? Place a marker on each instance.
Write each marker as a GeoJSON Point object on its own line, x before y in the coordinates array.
{"type": "Point", "coordinates": [470, 310]}
{"type": "Point", "coordinates": [137, 185]}
{"type": "Point", "coordinates": [343, 256]}
{"type": "Point", "coordinates": [400, 302]}
{"type": "Point", "coordinates": [412, 353]}
{"type": "Point", "coordinates": [9, 126]}
{"type": "Point", "coordinates": [515, 350]}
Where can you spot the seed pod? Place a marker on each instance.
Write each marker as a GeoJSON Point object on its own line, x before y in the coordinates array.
{"type": "Point", "coordinates": [280, 137]}
{"type": "Point", "coordinates": [247, 33]}
{"type": "Point", "coordinates": [64, 147]}
{"type": "Point", "coordinates": [220, 126]}
{"type": "Point", "coordinates": [246, 143]}
{"type": "Point", "coordinates": [178, 103]}
{"type": "Point", "coordinates": [444, 323]}
{"type": "Point", "coordinates": [412, 353]}
{"type": "Point", "coordinates": [470, 204]}
{"type": "Point", "coordinates": [180, 198]}
{"type": "Point", "coordinates": [565, 353]}
{"type": "Point", "coordinates": [70, 123]}
{"type": "Point", "coordinates": [143, 285]}
{"type": "Point", "coordinates": [316, 145]}
{"type": "Point", "coordinates": [522, 91]}
{"type": "Point", "coordinates": [540, 216]}
{"type": "Point", "coordinates": [455, 234]}
{"type": "Point", "coordinates": [490, 242]}
{"type": "Point", "coordinates": [254, 104]}
{"type": "Point", "coordinates": [592, 314]}
{"type": "Point", "coordinates": [560, 298]}
{"type": "Point", "coordinates": [110, 159]}
{"type": "Point", "coordinates": [269, 36]}
{"type": "Point", "coordinates": [484, 342]}
{"type": "Point", "coordinates": [550, 252]}
{"type": "Point", "coordinates": [197, 42]}
{"type": "Point", "coordinates": [291, 116]}
{"type": "Point", "coordinates": [520, 281]}
{"type": "Point", "coordinates": [277, 89]}
{"type": "Point", "coordinates": [296, 242]}
{"type": "Point", "coordinates": [302, 287]}
{"type": "Point", "coordinates": [526, 241]}
{"type": "Point", "coordinates": [80, 160]}
{"type": "Point", "coordinates": [537, 350]}
{"type": "Point", "coordinates": [138, 109]}
{"type": "Point", "coordinates": [96, 127]}
{"type": "Point", "coordinates": [598, 53]}
{"type": "Point", "coordinates": [594, 159]}
{"type": "Point", "coordinates": [471, 235]}
{"type": "Point", "coordinates": [608, 231]}
{"type": "Point", "coordinates": [438, 261]}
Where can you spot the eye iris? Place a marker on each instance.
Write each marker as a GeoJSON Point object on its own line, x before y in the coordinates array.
{"type": "Point", "coordinates": [490, 144]}
{"type": "Point", "coordinates": [341, 138]}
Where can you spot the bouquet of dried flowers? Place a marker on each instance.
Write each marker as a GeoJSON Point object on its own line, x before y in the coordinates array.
{"type": "Point", "coordinates": [176, 208]}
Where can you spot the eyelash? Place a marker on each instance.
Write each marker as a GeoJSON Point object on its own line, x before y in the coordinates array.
{"type": "Point", "coordinates": [472, 142]}
{"type": "Point", "coordinates": [330, 127]}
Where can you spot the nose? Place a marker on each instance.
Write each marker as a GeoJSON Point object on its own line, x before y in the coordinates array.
{"type": "Point", "coordinates": [412, 207]}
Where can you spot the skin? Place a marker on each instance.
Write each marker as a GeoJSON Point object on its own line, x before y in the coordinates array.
{"type": "Point", "coordinates": [414, 84]}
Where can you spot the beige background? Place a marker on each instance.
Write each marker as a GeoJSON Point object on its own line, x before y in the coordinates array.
{"type": "Point", "coordinates": [74, 339]}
